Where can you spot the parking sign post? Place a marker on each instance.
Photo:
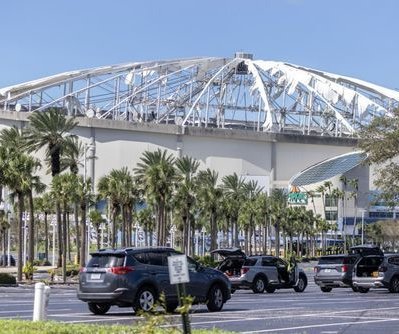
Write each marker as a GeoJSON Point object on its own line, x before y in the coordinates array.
{"type": "Point", "coordinates": [178, 274]}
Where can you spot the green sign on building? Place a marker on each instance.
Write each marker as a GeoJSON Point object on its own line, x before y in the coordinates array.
{"type": "Point", "coordinates": [298, 198]}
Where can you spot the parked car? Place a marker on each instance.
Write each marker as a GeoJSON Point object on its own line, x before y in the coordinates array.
{"type": "Point", "coordinates": [136, 277]}
{"type": "Point", "coordinates": [376, 271]}
{"type": "Point", "coordinates": [260, 272]}
{"type": "Point", "coordinates": [4, 260]}
{"type": "Point", "coordinates": [335, 271]}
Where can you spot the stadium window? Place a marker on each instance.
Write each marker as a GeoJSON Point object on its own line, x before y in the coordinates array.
{"type": "Point", "coordinates": [330, 201]}
{"type": "Point", "coordinates": [331, 215]}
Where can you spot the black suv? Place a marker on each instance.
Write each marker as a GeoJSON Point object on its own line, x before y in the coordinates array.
{"type": "Point", "coordinates": [136, 277]}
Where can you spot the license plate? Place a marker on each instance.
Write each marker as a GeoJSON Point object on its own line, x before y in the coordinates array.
{"type": "Point", "coordinates": [95, 276]}
{"type": "Point", "coordinates": [374, 274]}
{"type": "Point", "coordinates": [327, 270]}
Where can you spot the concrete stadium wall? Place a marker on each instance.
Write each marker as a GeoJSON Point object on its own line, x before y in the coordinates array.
{"type": "Point", "coordinates": [271, 158]}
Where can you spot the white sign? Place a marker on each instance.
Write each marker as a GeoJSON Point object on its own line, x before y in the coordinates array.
{"type": "Point", "coordinates": [178, 269]}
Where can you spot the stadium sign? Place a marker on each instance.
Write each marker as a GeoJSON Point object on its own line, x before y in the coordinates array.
{"type": "Point", "coordinates": [297, 197]}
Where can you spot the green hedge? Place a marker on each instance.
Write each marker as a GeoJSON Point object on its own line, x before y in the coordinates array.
{"type": "Point", "coordinates": [7, 279]}
{"type": "Point", "coordinates": [49, 327]}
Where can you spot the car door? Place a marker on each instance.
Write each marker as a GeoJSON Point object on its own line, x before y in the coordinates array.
{"type": "Point", "coordinates": [159, 273]}
{"type": "Point", "coordinates": [199, 281]}
{"type": "Point", "coordinates": [270, 269]}
{"type": "Point", "coordinates": [283, 273]}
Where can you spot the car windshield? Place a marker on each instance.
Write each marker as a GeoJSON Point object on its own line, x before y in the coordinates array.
{"type": "Point", "coordinates": [106, 260]}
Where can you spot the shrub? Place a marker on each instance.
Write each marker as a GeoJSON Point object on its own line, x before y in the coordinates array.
{"type": "Point", "coordinates": [71, 270]}
{"type": "Point", "coordinates": [7, 279]}
{"type": "Point", "coordinates": [207, 261]}
{"type": "Point", "coordinates": [50, 327]}
{"type": "Point", "coordinates": [28, 270]}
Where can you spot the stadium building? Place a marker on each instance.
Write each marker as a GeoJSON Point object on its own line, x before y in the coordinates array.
{"type": "Point", "coordinates": [264, 120]}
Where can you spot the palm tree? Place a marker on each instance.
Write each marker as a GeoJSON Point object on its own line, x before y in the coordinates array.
{"type": "Point", "coordinates": [119, 188]}
{"type": "Point", "coordinates": [156, 174]}
{"type": "Point", "coordinates": [84, 198]}
{"type": "Point", "coordinates": [97, 220]}
{"type": "Point", "coordinates": [63, 187]}
{"type": "Point", "coordinates": [262, 217]}
{"type": "Point", "coordinates": [210, 196]}
{"type": "Point", "coordinates": [184, 199]}
{"type": "Point", "coordinates": [251, 191]}
{"type": "Point", "coordinates": [278, 206]}
{"type": "Point", "coordinates": [233, 188]}
{"type": "Point", "coordinates": [51, 130]}
{"type": "Point", "coordinates": [354, 184]}
{"type": "Point", "coordinates": [45, 204]}
{"type": "Point", "coordinates": [18, 173]}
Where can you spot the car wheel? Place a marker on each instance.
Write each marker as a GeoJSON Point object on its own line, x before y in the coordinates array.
{"type": "Point", "coordinates": [302, 284]}
{"type": "Point", "coordinates": [394, 285]}
{"type": "Point", "coordinates": [325, 289]}
{"type": "Point", "coordinates": [362, 290]}
{"type": "Point", "coordinates": [145, 299]}
{"type": "Point", "coordinates": [98, 309]}
{"type": "Point", "coordinates": [171, 306]}
{"type": "Point", "coordinates": [270, 289]}
{"type": "Point", "coordinates": [258, 286]}
{"type": "Point", "coordinates": [215, 299]}
{"type": "Point", "coordinates": [354, 288]}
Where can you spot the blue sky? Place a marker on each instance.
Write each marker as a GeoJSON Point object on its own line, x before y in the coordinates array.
{"type": "Point", "coordinates": [351, 37]}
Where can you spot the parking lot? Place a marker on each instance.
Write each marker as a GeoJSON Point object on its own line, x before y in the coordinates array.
{"type": "Point", "coordinates": [285, 311]}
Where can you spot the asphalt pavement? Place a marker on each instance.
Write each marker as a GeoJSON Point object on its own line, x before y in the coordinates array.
{"type": "Point", "coordinates": [285, 311]}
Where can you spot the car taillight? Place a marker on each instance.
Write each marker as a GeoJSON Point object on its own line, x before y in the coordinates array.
{"type": "Point", "coordinates": [344, 268]}
{"type": "Point", "coordinates": [82, 269]}
{"type": "Point", "coordinates": [244, 270]}
{"type": "Point", "coordinates": [383, 269]}
{"type": "Point", "coordinates": [120, 270]}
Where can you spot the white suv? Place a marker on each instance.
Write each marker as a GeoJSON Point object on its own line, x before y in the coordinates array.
{"type": "Point", "coordinates": [260, 272]}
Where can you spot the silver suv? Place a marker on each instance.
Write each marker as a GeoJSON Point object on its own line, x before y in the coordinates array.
{"type": "Point", "coordinates": [260, 272]}
{"type": "Point", "coordinates": [136, 277]}
{"type": "Point", "coordinates": [377, 272]}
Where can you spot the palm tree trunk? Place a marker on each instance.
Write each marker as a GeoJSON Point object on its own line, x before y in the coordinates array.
{"type": "Point", "coordinates": [83, 233]}
{"type": "Point", "coordinates": [114, 213]}
{"type": "Point", "coordinates": [213, 233]}
{"type": "Point", "coordinates": [46, 236]}
{"type": "Point", "coordinates": [250, 232]}
{"type": "Point", "coordinates": [76, 214]}
{"type": "Point", "coordinates": [68, 237]}
{"type": "Point", "coordinates": [64, 242]}
{"type": "Point", "coordinates": [31, 242]}
{"type": "Point", "coordinates": [59, 232]}
{"type": "Point", "coordinates": [123, 228]}
{"type": "Point", "coordinates": [277, 238]}
{"type": "Point", "coordinates": [235, 226]}
{"type": "Point", "coordinates": [20, 235]}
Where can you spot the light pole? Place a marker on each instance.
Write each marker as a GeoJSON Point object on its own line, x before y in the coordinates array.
{"type": "Point", "coordinates": [88, 147]}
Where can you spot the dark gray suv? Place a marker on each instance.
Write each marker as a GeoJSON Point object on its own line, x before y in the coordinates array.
{"type": "Point", "coordinates": [136, 277]}
{"type": "Point", "coordinates": [334, 271]}
{"type": "Point", "coordinates": [377, 271]}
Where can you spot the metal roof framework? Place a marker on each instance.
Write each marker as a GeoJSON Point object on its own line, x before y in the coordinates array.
{"type": "Point", "coordinates": [233, 93]}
